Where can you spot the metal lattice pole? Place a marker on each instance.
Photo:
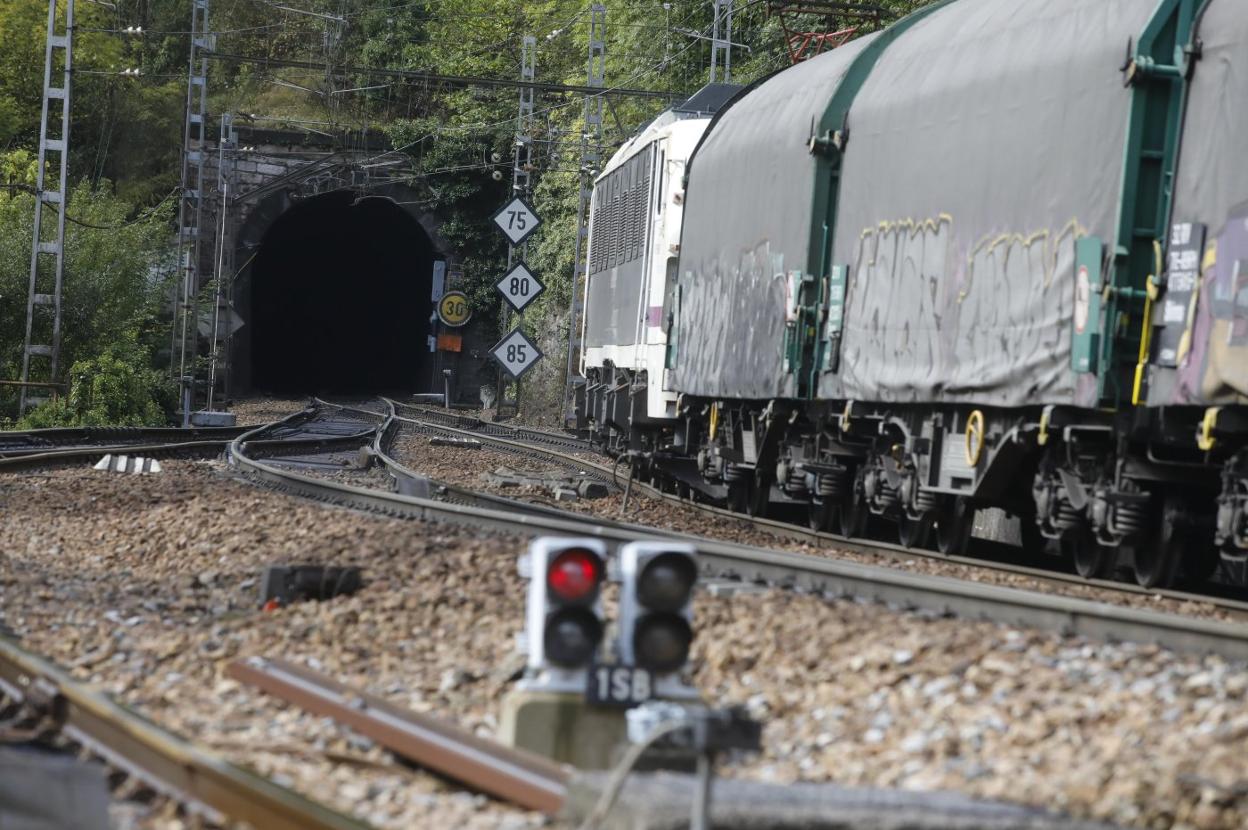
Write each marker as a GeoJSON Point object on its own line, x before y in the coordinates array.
{"type": "Point", "coordinates": [191, 205]}
{"type": "Point", "coordinates": [721, 40]}
{"type": "Point", "coordinates": [223, 298]}
{"type": "Point", "coordinates": [522, 165]}
{"type": "Point", "coordinates": [36, 298]}
{"type": "Point", "coordinates": [523, 159]}
{"type": "Point", "coordinates": [591, 159]}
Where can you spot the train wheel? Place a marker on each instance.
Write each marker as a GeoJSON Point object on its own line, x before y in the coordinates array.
{"type": "Point", "coordinates": [1092, 560]}
{"type": "Point", "coordinates": [913, 533]}
{"type": "Point", "coordinates": [759, 497]}
{"type": "Point", "coordinates": [1157, 558]}
{"type": "Point", "coordinates": [738, 495]}
{"type": "Point", "coordinates": [821, 515]}
{"type": "Point", "coordinates": [854, 514]}
{"type": "Point", "coordinates": [953, 526]}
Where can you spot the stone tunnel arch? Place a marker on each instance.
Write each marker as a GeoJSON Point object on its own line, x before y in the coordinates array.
{"type": "Point", "coordinates": [337, 294]}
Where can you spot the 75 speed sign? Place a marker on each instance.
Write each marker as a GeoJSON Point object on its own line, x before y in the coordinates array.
{"type": "Point", "coordinates": [517, 220]}
{"type": "Point", "coordinates": [516, 353]}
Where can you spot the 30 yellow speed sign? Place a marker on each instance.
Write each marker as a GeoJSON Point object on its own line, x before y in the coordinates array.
{"type": "Point", "coordinates": [453, 309]}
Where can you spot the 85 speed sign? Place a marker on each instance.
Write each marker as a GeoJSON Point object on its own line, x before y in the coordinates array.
{"type": "Point", "coordinates": [453, 309]}
{"type": "Point", "coordinates": [516, 353]}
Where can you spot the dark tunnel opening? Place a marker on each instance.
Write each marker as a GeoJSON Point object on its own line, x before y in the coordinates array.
{"type": "Point", "coordinates": [340, 299]}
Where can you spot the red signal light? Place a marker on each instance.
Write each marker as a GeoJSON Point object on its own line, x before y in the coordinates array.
{"type": "Point", "coordinates": [574, 575]}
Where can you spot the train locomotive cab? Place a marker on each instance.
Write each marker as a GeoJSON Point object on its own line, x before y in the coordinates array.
{"type": "Point", "coordinates": [634, 243]}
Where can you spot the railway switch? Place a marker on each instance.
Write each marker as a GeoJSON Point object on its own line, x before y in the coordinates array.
{"type": "Point", "coordinates": [564, 625]}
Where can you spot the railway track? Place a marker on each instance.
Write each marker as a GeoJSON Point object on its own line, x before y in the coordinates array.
{"type": "Point", "coordinates": [43, 447]}
{"type": "Point", "coordinates": [529, 435]}
{"type": "Point", "coordinates": [69, 715]}
{"type": "Point", "coordinates": [35, 441]}
{"type": "Point", "coordinates": [990, 552]}
{"type": "Point", "coordinates": [204, 783]}
{"type": "Point", "coordinates": [731, 561]}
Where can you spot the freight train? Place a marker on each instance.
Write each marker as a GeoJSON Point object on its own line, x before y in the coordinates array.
{"type": "Point", "coordinates": [992, 256]}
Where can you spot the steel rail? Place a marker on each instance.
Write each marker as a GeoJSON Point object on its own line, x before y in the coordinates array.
{"type": "Point", "coordinates": [469, 422]}
{"type": "Point", "coordinates": [816, 574]}
{"type": "Point", "coordinates": [203, 781]}
{"type": "Point", "coordinates": [54, 438]}
{"type": "Point", "coordinates": [571, 463]}
{"type": "Point", "coordinates": [523, 778]}
{"type": "Point", "coordinates": [56, 445]}
{"type": "Point", "coordinates": [412, 483]}
{"type": "Point", "coordinates": [51, 457]}
{"type": "Point", "coordinates": [893, 550]}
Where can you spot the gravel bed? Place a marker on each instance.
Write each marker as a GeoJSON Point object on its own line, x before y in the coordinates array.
{"type": "Point", "coordinates": [464, 467]}
{"type": "Point", "coordinates": [146, 586]}
{"type": "Point", "coordinates": [254, 411]}
{"type": "Point", "coordinates": [856, 694]}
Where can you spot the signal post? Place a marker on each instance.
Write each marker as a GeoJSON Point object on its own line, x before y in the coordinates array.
{"type": "Point", "coordinates": [583, 673]}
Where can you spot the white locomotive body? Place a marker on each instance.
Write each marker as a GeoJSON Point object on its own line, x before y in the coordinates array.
{"type": "Point", "coordinates": [634, 246]}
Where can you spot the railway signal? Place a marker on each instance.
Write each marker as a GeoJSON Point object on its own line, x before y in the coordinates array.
{"type": "Point", "coordinates": [656, 611]}
{"type": "Point", "coordinates": [519, 286]}
{"type": "Point", "coordinates": [564, 625]}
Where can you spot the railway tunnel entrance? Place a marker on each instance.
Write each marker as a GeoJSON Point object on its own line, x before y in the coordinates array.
{"type": "Point", "coordinates": [339, 299]}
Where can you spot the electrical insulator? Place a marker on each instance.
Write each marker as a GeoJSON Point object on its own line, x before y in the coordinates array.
{"type": "Point", "coordinates": [564, 624]}
{"type": "Point", "coordinates": [497, 175]}
{"type": "Point", "coordinates": [656, 610]}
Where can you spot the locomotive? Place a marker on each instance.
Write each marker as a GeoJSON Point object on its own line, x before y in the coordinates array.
{"type": "Point", "coordinates": [992, 256]}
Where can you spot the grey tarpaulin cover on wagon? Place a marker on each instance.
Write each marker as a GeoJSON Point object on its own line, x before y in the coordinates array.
{"type": "Point", "coordinates": [978, 152]}
{"type": "Point", "coordinates": [747, 218]}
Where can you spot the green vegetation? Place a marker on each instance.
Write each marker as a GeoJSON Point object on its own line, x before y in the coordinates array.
{"type": "Point", "coordinates": [127, 135]}
{"type": "Point", "coordinates": [116, 276]}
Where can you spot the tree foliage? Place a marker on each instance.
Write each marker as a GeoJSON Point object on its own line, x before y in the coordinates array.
{"type": "Point", "coordinates": [127, 135]}
{"type": "Point", "coordinates": [116, 387]}
{"type": "Point", "coordinates": [116, 276]}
